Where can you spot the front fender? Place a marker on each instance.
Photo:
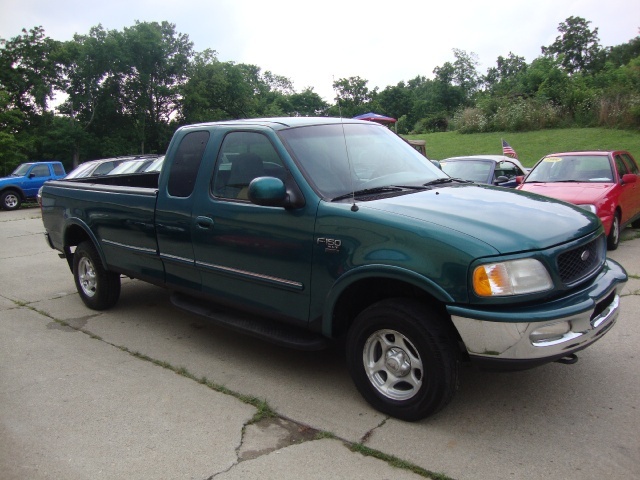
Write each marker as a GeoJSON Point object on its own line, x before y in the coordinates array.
{"type": "Point", "coordinates": [368, 272]}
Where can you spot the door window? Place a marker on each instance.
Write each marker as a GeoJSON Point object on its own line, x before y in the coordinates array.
{"type": "Point", "coordinates": [243, 157]}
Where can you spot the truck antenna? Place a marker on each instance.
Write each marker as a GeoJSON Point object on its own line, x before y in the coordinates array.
{"type": "Point", "coordinates": [354, 207]}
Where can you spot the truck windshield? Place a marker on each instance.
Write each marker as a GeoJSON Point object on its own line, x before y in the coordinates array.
{"type": "Point", "coordinates": [21, 170]}
{"type": "Point", "coordinates": [340, 158]}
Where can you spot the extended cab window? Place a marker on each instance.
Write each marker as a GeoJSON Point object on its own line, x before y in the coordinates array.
{"type": "Point", "coordinates": [57, 169]}
{"type": "Point", "coordinates": [186, 162]}
{"type": "Point", "coordinates": [243, 157]}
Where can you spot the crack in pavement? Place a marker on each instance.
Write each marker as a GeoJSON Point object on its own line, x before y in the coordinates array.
{"type": "Point", "coordinates": [269, 435]}
{"type": "Point", "coordinates": [365, 438]}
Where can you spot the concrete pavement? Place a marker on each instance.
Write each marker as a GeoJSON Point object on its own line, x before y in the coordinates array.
{"type": "Point", "coordinates": [147, 391]}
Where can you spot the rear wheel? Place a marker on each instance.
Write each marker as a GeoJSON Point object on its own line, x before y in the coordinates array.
{"type": "Point", "coordinates": [99, 288]}
{"type": "Point", "coordinates": [613, 240]}
{"type": "Point", "coordinates": [402, 358]}
{"type": "Point", "coordinates": [10, 200]}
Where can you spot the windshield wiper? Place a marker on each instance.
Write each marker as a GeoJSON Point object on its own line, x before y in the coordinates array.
{"type": "Point", "coordinates": [368, 191]}
{"type": "Point", "coordinates": [440, 181]}
{"type": "Point", "coordinates": [411, 187]}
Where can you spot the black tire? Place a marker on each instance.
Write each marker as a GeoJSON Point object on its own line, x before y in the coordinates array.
{"type": "Point", "coordinates": [99, 288]}
{"type": "Point", "coordinates": [10, 200]}
{"type": "Point", "coordinates": [636, 223]}
{"type": "Point", "coordinates": [420, 373]}
{"type": "Point", "coordinates": [613, 239]}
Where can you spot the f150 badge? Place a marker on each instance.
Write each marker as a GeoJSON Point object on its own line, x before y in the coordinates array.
{"type": "Point", "coordinates": [331, 245]}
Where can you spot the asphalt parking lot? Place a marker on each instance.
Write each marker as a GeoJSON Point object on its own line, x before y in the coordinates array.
{"type": "Point", "coordinates": [144, 391]}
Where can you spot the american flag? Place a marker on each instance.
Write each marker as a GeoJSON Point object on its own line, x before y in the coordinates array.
{"type": "Point", "coordinates": [508, 151]}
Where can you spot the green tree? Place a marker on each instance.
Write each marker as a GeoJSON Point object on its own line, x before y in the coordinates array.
{"type": "Point", "coordinates": [89, 74]}
{"type": "Point", "coordinates": [29, 71]}
{"type": "Point", "coordinates": [395, 101]}
{"type": "Point", "coordinates": [622, 54]}
{"type": "Point", "coordinates": [220, 90]}
{"type": "Point", "coordinates": [465, 72]}
{"type": "Point", "coordinates": [449, 96]}
{"type": "Point", "coordinates": [353, 96]}
{"type": "Point", "coordinates": [306, 104]}
{"type": "Point", "coordinates": [12, 150]}
{"type": "Point", "coordinates": [504, 77]}
{"type": "Point", "coordinates": [578, 47]}
{"type": "Point", "coordinates": [29, 75]}
{"type": "Point", "coordinates": [154, 62]}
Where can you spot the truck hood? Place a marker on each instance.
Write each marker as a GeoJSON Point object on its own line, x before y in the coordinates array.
{"type": "Point", "coordinates": [507, 220]}
{"type": "Point", "coordinates": [7, 180]}
{"type": "Point", "coordinates": [577, 193]}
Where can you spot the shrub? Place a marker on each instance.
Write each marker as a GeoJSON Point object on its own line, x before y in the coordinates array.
{"type": "Point", "coordinates": [470, 120]}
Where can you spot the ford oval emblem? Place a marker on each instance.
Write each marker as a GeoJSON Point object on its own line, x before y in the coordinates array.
{"type": "Point", "coordinates": [584, 256]}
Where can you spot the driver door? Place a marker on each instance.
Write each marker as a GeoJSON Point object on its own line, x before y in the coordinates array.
{"type": "Point", "coordinates": [252, 256]}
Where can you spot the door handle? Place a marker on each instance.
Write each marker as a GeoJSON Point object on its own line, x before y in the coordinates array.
{"type": "Point", "coordinates": [204, 223]}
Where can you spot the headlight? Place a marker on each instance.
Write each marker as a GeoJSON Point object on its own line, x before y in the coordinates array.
{"type": "Point", "coordinates": [588, 207]}
{"type": "Point", "coordinates": [513, 277]}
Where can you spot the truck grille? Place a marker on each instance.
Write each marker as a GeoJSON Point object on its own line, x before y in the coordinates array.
{"type": "Point", "coordinates": [577, 264]}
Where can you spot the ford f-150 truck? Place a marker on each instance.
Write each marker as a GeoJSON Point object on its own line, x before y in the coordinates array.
{"type": "Point", "coordinates": [25, 181]}
{"type": "Point", "coordinates": [312, 231]}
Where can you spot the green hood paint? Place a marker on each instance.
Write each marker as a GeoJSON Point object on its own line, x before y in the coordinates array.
{"type": "Point", "coordinates": [508, 221]}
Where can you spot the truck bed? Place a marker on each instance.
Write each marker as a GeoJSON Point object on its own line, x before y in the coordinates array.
{"type": "Point", "coordinates": [119, 210]}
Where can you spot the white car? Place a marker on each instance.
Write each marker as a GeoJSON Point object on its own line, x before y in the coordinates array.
{"type": "Point", "coordinates": [497, 170]}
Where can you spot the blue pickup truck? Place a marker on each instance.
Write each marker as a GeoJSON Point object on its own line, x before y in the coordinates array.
{"type": "Point", "coordinates": [25, 181]}
{"type": "Point", "coordinates": [313, 231]}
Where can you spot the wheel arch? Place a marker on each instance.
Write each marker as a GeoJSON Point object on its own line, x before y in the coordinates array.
{"type": "Point", "coordinates": [76, 232]}
{"type": "Point", "coordinates": [14, 188]}
{"type": "Point", "coordinates": [357, 290]}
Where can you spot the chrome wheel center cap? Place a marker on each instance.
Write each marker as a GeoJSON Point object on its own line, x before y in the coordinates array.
{"type": "Point", "coordinates": [397, 361]}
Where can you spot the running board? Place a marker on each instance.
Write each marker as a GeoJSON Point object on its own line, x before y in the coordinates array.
{"type": "Point", "coordinates": [263, 328]}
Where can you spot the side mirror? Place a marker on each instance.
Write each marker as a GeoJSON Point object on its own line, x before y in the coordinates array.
{"type": "Point", "coordinates": [501, 179]}
{"type": "Point", "coordinates": [629, 178]}
{"type": "Point", "coordinates": [272, 192]}
{"type": "Point", "coordinates": [436, 163]}
{"type": "Point", "coordinates": [32, 175]}
{"type": "Point", "coordinates": [519, 179]}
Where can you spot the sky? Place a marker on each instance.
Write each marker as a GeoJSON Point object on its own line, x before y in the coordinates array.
{"type": "Point", "coordinates": [315, 43]}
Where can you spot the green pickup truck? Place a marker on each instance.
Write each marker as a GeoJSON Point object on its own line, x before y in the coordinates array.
{"type": "Point", "coordinates": [309, 232]}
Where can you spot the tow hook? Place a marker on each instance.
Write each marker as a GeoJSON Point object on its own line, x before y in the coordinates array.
{"type": "Point", "coordinates": [568, 359]}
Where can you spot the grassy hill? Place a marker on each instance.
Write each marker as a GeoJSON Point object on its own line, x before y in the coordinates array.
{"type": "Point", "coordinates": [530, 146]}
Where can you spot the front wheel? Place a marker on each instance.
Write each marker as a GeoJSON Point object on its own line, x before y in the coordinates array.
{"type": "Point", "coordinates": [99, 288]}
{"type": "Point", "coordinates": [10, 200]}
{"type": "Point", "coordinates": [402, 358]}
{"type": "Point", "coordinates": [613, 240]}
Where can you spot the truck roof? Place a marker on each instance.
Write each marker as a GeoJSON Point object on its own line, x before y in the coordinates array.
{"type": "Point", "coordinates": [282, 122]}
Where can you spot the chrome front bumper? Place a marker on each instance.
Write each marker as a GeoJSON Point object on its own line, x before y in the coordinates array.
{"type": "Point", "coordinates": [513, 341]}
{"type": "Point", "coordinates": [505, 341]}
